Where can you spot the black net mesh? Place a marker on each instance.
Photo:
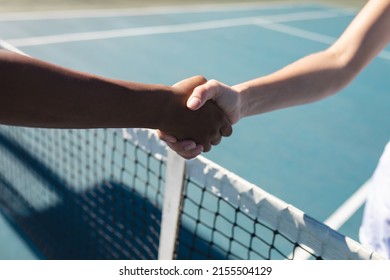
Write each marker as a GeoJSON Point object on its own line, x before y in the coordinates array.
{"type": "Point", "coordinates": [213, 228]}
{"type": "Point", "coordinates": [81, 194]}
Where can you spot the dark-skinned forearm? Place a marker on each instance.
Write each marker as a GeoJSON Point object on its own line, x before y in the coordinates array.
{"type": "Point", "coordinates": [39, 94]}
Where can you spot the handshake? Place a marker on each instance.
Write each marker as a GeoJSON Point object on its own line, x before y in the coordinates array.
{"type": "Point", "coordinates": [191, 116]}
{"type": "Point", "coordinates": [199, 115]}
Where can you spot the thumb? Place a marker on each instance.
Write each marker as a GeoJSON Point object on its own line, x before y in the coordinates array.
{"type": "Point", "coordinates": [202, 94]}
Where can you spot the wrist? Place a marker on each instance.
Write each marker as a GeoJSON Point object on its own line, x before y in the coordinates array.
{"type": "Point", "coordinates": [169, 106]}
{"type": "Point", "coordinates": [164, 106]}
{"type": "Point", "coordinates": [150, 105]}
{"type": "Point", "coordinates": [242, 91]}
{"type": "Point", "coordinates": [257, 97]}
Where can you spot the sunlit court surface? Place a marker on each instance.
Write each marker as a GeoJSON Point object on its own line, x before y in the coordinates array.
{"type": "Point", "coordinates": [316, 157]}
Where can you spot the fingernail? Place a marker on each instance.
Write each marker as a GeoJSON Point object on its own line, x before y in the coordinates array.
{"type": "Point", "coordinates": [189, 147]}
{"type": "Point", "coordinates": [199, 149]}
{"type": "Point", "coordinates": [193, 103]}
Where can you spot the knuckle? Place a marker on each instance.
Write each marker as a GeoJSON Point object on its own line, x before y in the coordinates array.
{"type": "Point", "coordinates": [201, 78]}
{"type": "Point", "coordinates": [207, 148]}
{"type": "Point", "coordinates": [213, 82]}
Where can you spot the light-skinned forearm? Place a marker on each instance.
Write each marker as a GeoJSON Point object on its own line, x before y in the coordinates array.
{"type": "Point", "coordinates": [307, 80]}
{"type": "Point", "coordinates": [322, 74]}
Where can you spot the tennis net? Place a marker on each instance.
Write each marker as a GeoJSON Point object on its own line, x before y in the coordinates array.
{"type": "Point", "coordinates": [103, 194]}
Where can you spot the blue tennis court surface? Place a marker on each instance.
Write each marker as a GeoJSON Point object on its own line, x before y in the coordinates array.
{"type": "Point", "coordinates": [314, 157]}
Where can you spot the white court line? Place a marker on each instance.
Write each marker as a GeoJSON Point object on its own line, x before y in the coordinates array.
{"type": "Point", "coordinates": [127, 32]}
{"type": "Point", "coordinates": [8, 46]}
{"type": "Point", "coordinates": [164, 29]}
{"type": "Point", "coordinates": [298, 32]}
{"type": "Point", "coordinates": [105, 13]}
{"type": "Point", "coordinates": [309, 35]}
